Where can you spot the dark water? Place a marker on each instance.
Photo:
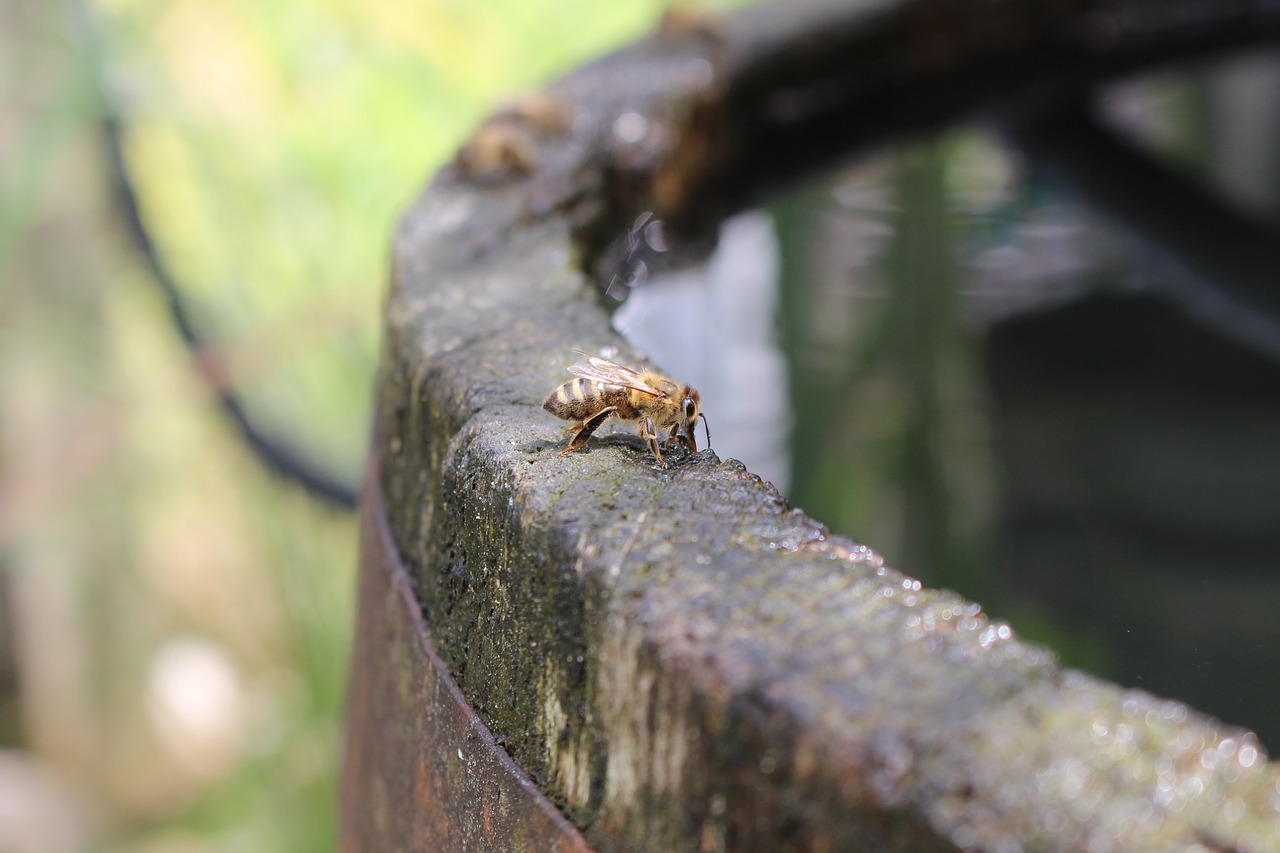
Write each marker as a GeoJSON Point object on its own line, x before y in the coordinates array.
{"type": "Point", "coordinates": [954, 363]}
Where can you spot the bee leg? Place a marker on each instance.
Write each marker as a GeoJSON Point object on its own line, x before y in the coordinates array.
{"type": "Point", "coordinates": [648, 434]}
{"type": "Point", "coordinates": [585, 429]}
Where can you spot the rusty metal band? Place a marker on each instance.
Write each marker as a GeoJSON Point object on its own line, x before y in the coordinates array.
{"type": "Point", "coordinates": [423, 772]}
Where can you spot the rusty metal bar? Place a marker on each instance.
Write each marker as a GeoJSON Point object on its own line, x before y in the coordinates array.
{"type": "Point", "coordinates": [679, 659]}
{"type": "Point", "coordinates": [423, 771]}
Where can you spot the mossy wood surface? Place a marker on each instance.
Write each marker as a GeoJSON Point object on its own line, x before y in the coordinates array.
{"type": "Point", "coordinates": [680, 659]}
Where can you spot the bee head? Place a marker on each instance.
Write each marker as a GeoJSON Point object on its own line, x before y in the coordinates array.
{"type": "Point", "coordinates": [690, 409]}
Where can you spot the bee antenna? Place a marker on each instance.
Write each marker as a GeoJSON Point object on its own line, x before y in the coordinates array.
{"type": "Point", "coordinates": [706, 426]}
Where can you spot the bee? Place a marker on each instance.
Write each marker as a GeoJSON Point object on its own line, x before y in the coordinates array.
{"type": "Point", "coordinates": [499, 151]}
{"type": "Point", "coordinates": [604, 389]}
{"type": "Point", "coordinates": [505, 146]}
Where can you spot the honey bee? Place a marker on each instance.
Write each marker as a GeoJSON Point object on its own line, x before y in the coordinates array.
{"type": "Point", "coordinates": [499, 151]}
{"type": "Point", "coordinates": [504, 148]}
{"type": "Point", "coordinates": [604, 389]}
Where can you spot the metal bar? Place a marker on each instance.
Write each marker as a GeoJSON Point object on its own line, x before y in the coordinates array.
{"type": "Point", "coordinates": [423, 772]}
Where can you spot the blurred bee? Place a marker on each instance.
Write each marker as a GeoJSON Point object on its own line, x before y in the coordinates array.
{"type": "Point", "coordinates": [505, 147]}
{"type": "Point", "coordinates": [499, 151]}
{"type": "Point", "coordinates": [679, 21]}
{"type": "Point", "coordinates": [603, 389]}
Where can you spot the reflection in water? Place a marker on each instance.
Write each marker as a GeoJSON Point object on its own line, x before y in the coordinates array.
{"type": "Point", "coordinates": [713, 327]}
{"type": "Point", "coordinates": [987, 384]}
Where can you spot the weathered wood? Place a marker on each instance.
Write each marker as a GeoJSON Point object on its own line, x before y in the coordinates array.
{"type": "Point", "coordinates": [678, 658]}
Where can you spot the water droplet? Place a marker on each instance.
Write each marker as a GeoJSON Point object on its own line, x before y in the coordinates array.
{"type": "Point", "coordinates": [631, 127]}
{"type": "Point", "coordinates": [699, 73]}
{"type": "Point", "coordinates": [655, 236]}
{"type": "Point", "coordinates": [637, 273]}
{"type": "Point", "coordinates": [1075, 777]}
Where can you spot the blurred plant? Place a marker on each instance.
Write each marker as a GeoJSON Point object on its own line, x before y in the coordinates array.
{"type": "Point", "coordinates": [185, 620]}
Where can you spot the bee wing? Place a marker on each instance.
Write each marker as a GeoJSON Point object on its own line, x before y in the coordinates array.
{"type": "Point", "coordinates": [611, 373]}
{"type": "Point", "coordinates": [604, 362]}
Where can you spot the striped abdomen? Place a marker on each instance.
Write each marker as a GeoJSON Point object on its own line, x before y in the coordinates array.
{"type": "Point", "coordinates": [579, 399]}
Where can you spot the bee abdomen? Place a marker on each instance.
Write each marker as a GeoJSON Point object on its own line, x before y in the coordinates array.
{"type": "Point", "coordinates": [577, 399]}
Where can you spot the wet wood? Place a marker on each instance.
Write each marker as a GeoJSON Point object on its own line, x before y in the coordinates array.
{"type": "Point", "coordinates": [676, 657]}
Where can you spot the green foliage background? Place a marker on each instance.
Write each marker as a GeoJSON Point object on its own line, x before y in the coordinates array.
{"type": "Point", "coordinates": [145, 555]}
